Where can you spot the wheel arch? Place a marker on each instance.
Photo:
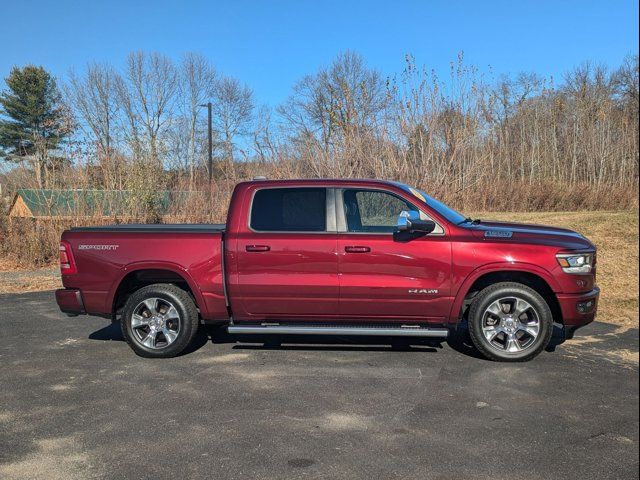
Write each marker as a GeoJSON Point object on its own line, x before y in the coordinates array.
{"type": "Point", "coordinates": [136, 276]}
{"type": "Point", "coordinates": [530, 275]}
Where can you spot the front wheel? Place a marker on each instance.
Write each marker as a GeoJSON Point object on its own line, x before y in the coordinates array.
{"type": "Point", "coordinates": [510, 322]}
{"type": "Point", "coordinates": [159, 321]}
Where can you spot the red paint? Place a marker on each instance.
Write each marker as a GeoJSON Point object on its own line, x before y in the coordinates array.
{"type": "Point", "coordinates": [328, 276]}
{"type": "Point", "coordinates": [376, 284]}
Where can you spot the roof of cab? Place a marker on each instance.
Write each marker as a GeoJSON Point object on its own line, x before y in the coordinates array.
{"type": "Point", "coordinates": [322, 182]}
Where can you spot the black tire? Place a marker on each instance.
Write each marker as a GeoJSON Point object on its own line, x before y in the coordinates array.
{"type": "Point", "coordinates": [187, 321]}
{"type": "Point", "coordinates": [508, 290]}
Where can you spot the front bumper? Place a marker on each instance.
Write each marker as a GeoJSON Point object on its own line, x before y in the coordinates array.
{"type": "Point", "coordinates": [580, 309]}
{"type": "Point", "coordinates": [70, 301]}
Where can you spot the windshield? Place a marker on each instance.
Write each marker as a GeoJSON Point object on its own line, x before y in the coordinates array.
{"type": "Point", "coordinates": [449, 213]}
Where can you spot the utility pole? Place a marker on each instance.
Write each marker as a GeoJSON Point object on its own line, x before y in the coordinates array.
{"type": "Point", "coordinates": [210, 141]}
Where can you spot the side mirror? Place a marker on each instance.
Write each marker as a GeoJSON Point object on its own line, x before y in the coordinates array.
{"type": "Point", "coordinates": [410, 221]}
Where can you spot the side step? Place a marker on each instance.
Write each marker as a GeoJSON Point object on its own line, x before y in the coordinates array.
{"type": "Point", "coordinates": [409, 331]}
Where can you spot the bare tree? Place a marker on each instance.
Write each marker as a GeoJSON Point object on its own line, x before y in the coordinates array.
{"type": "Point", "coordinates": [94, 99]}
{"type": "Point", "coordinates": [625, 83]}
{"type": "Point", "coordinates": [342, 99]}
{"type": "Point", "coordinates": [264, 142]}
{"type": "Point", "coordinates": [197, 86]}
{"type": "Point", "coordinates": [147, 92]}
{"type": "Point", "coordinates": [232, 112]}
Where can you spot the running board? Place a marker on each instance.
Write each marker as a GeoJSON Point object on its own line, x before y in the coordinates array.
{"type": "Point", "coordinates": [311, 330]}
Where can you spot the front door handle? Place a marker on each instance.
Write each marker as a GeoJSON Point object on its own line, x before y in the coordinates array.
{"type": "Point", "coordinates": [258, 248]}
{"type": "Point", "coordinates": [357, 249]}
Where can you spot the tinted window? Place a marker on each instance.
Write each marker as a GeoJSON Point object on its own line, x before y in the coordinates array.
{"type": "Point", "coordinates": [444, 210]}
{"type": "Point", "coordinates": [372, 211]}
{"type": "Point", "coordinates": [289, 210]}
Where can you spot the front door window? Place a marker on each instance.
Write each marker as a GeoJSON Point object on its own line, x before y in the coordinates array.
{"type": "Point", "coordinates": [372, 211]}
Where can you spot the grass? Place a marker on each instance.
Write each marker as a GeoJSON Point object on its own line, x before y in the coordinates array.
{"type": "Point", "coordinates": [614, 232]}
{"type": "Point", "coordinates": [15, 278]}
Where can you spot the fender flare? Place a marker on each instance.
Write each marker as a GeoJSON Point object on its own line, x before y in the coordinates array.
{"type": "Point", "coordinates": [494, 268]}
{"type": "Point", "coordinates": [145, 265]}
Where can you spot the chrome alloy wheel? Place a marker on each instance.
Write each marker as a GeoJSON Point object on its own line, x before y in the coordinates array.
{"type": "Point", "coordinates": [155, 323]}
{"type": "Point", "coordinates": [511, 325]}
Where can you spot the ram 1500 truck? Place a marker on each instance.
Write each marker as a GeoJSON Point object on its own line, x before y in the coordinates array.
{"type": "Point", "coordinates": [333, 257]}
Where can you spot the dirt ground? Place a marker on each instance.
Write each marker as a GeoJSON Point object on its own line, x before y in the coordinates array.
{"type": "Point", "coordinates": [615, 234]}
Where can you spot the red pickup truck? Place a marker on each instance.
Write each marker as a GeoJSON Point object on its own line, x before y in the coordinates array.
{"type": "Point", "coordinates": [333, 257]}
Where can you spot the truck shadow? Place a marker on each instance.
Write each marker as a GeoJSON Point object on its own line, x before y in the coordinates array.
{"type": "Point", "coordinates": [218, 335]}
{"type": "Point", "coordinates": [109, 333]}
{"type": "Point", "coordinates": [460, 342]}
{"type": "Point", "coordinates": [323, 342]}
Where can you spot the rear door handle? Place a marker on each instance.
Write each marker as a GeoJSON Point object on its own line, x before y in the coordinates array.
{"type": "Point", "coordinates": [357, 249]}
{"type": "Point", "coordinates": [258, 248]}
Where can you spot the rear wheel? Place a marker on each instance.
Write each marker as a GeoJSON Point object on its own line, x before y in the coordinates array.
{"type": "Point", "coordinates": [159, 321]}
{"type": "Point", "coordinates": [510, 322]}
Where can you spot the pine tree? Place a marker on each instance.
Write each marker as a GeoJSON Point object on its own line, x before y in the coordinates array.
{"type": "Point", "coordinates": [32, 119]}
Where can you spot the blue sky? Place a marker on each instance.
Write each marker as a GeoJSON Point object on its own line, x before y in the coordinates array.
{"type": "Point", "coordinates": [271, 44]}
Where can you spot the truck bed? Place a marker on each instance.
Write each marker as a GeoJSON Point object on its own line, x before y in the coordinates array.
{"type": "Point", "coordinates": [108, 255]}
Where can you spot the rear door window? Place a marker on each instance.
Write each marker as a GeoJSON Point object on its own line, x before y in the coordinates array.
{"type": "Point", "coordinates": [289, 210]}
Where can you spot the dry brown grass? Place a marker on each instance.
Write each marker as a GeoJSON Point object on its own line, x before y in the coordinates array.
{"type": "Point", "coordinates": [30, 281]}
{"type": "Point", "coordinates": [614, 232]}
{"type": "Point", "coordinates": [15, 278]}
{"type": "Point", "coordinates": [616, 236]}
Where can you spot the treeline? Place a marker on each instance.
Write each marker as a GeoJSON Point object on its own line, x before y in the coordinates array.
{"type": "Point", "coordinates": [512, 143]}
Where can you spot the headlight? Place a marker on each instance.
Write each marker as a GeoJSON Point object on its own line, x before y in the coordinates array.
{"type": "Point", "coordinates": [575, 262]}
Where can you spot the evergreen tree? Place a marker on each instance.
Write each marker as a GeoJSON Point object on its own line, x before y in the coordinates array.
{"type": "Point", "coordinates": [32, 119]}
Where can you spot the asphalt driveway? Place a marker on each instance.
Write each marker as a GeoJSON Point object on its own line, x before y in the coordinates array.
{"type": "Point", "coordinates": [75, 402]}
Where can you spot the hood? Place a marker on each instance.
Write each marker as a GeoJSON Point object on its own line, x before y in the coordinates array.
{"type": "Point", "coordinates": [534, 234]}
